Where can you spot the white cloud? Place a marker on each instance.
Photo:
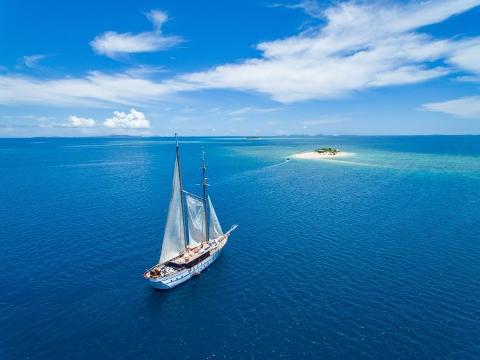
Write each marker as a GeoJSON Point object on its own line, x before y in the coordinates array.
{"type": "Point", "coordinates": [120, 120]}
{"type": "Point", "coordinates": [31, 61]}
{"type": "Point", "coordinates": [26, 117]}
{"type": "Point", "coordinates": [96, 89]}
{"type": "Point", "coordinates": [359, 46]}
{"type": "Point", "coordinates": [467, 107]}
{"type": "Point", "coordinates": [326, 121]}
{"type": "Point", "coordinates": [75, 121]}
{"type": "Point", "coordinates": [132, 120]}
{"type": "Point", "coordinates": [157, 18]}
{"type": "Point", "coordinates": [113, 44]}
{"type": "Point", "coordinates": [72, 122]}
{"type": "Point", "coordinates": [310, 7]}
{"type": "Point", "coordinates": [251, 110]}
{"type": "Point", "coordinates": [469, 78]}
{"type": "Point", "coordinates": [468, 56]}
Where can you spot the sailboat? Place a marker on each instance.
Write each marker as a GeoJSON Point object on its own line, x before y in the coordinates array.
{"type": "Point", "coordinates": [193, 239]}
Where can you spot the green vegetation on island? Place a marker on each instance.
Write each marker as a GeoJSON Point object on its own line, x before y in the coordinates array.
{"type": "Point", "coordinates": [327, 150]}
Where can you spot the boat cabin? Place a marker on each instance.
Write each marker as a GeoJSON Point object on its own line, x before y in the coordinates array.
{"type": "Point", "coordinates": [188, 261]}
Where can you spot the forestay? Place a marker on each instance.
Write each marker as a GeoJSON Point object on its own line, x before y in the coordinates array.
{"type": "Point", "coordinates": [215, 230]}
{"type": "Point", "coordinates": [196, 221]}
{"type": "Point", "coordinates": [174, 236]}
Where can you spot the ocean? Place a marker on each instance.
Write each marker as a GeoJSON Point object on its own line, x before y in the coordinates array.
{"type": "Point", "coordinates": [375, 256]}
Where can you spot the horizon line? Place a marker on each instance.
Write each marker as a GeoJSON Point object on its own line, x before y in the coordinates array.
{"type": "Point", "coordinates": [228, 136]}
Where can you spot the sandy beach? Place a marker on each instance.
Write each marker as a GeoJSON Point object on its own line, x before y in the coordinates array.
{"type": "Point", "coordinates": [315, 155]}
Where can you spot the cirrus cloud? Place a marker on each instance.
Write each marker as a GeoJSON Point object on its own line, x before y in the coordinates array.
{"type": "Point", "coordinates": [467, 107]}
{"type": "Point", "coordinates": [113, 44]}
{"type": "Point", "coordinates": [359, 46]}
{"type": "Point", "coordinates": [32, 61]}
{"type": "Point", "coordinates": [96, 89]}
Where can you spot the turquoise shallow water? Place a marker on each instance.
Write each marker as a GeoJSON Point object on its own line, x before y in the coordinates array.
{"type": "Point", "coordinates": [375, 256]}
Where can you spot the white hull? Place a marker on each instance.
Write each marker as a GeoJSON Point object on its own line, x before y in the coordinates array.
{"type": "Point", "coordinates": [177, 278]}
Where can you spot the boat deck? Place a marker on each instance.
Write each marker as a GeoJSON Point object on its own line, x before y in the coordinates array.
{"type": "Point", "coordinates": [191, 254]}
{"type": "Point", "coordinates": [188, 259]}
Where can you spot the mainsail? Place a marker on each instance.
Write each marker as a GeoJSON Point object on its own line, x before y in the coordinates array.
{"type": "Point", "coordinates": [196, 220]}
{"type": "Point", "coordinates": [174, 236]}
{"type": "Point", "coordinates": [215, 230]}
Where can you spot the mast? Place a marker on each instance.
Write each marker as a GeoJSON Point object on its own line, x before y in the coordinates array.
{"type": "Point", "coordinates": [182, 196]}
{"type": "Point", "coordinates": [204, 186]}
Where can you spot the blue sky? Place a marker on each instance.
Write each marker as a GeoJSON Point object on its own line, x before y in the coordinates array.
{"type": "Point", "coordinates": [239, 67]}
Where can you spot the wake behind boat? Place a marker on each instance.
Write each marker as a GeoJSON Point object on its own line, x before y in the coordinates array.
{"type": "Point", "coordinates": [184, 256]}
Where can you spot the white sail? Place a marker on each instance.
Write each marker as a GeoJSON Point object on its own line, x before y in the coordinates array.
{"type": "Point", "coordinates": [215, 230]}
{"type": "Point", "coordinates": [196, 221]}
{"type": "Point", "coordinates": [174, 236]}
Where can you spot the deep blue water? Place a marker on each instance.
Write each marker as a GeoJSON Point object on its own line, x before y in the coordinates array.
{"type": "Point", "coordinates": [376, 256]}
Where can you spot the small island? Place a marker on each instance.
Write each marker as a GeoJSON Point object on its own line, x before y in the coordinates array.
{"type": "Point", "coordinates": [322, 153]}
{"type": "Point", "coordinates": [327, 151]}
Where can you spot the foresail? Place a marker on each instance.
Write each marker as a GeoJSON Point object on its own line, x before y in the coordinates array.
{"type": "Point", "coordinates": [215, 230]}
{"type": "Point", "coordinates": [174, 236]}
{"type": "Point", "coordinates": [196, 221]}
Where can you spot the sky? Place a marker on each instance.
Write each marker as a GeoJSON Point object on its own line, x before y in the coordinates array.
{"type": "Point", "coordinates": [265, 67]}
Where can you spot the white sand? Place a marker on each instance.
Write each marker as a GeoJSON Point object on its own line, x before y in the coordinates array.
{"type": "Point", "coordinates": [315, 155]}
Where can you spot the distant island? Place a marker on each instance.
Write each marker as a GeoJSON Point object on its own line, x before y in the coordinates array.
{"type": "Point", "coordinates": [322, 153]}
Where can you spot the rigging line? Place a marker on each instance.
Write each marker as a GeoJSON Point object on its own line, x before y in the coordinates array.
{"type": "Point", "coordinates": [182, 200]}
{"type": "Point", "coordinates": [192, 194]}
{"type": "Point", "coordinates": [204, 200]}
